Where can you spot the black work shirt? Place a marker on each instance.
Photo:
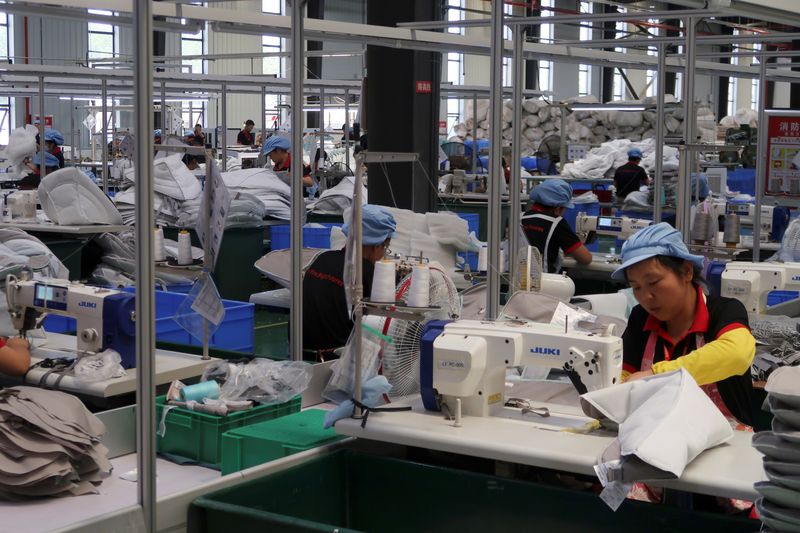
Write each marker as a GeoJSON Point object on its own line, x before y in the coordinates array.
{"type": "Point", "coordinates": [196, 140]}
{"type": "Point", "coordinates": [536, 231]}
{"type": "Point", "coordinates": [628, 178]}
{"type": "Point", "coordinates": [712, 319]}
{"type": "Point", "coordinates": [326, 322]}
{"type": "Point", "coordinates": [246, 138]}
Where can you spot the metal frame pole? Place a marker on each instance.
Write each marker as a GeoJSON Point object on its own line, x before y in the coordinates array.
{"type": "Point", "coordinates": [347, 128]}
{"type": "Point", "coordinates": [263, 113]}
{"type": "Point", "coordinates": [42, 150]}
{"type": "Point", "coordinates": [224, 123]}
{"type": "Point", "coordinates": [660, 93]}
{"type": "Point", "coordinates": [516, 160]}
{"type": "Point", "coordinates": [298, 205]}
{"type": "Point", "coordinates": [164, 111]}
{"type": "Point", "coordinates": [321, 124]}
{"type": "Point", "coordinates": [763, 156]}
{"type": "Point", "coordinates": [684, 207]}
{"type": "Point", "coordinates": [104, 131]}
{"type": "Point", "coordinates": [495, 181]}
{"type": "Point", "coordinates": [145, 280]}
{"type": "Point", "coordinates": [72, 126]}
{"type": "Point", "coordinates": [474, 133]}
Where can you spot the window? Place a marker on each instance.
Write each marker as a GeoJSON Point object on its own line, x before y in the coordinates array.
{"type": "Point", "coordinates": [274, 65]}
{"type": "Point", "coordinates": [619, 84]}
{"type": "Point", "coordinates": [585, 71]}
{"type": "Point", "coordinates": [6, 103]}
{"type": "Point", "coordinates": [103, 39]}
{"type": "Point", "coordinates": [455, 65]}
{"type": "Point", "coordinates": [546, 35]}
{"type": "Point", "coordinates": [651, 75]}
{"type": "Point", "coordinates": [733, 82]}
{"type": "Point", "coordinates": [508, 62]}
{"type": "Point", "coordinates": [193, 45]}
{"type": "Point", "coordinates": [755, 95]}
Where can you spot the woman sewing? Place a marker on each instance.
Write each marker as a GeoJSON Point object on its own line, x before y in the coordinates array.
{"type": "Point", "coordinates": [677, 326]}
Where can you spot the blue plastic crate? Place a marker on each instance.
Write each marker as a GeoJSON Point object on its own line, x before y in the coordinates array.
{"type": "Point", "coordinates": [235, 333]}
{"type": "Point", "coordinates": [313, 237]}
{"type": "Point", "coordinates": [473, 221]}
{"type": "Point", "coordinates": [714, 277]}
{"type": "Point", "coordinates": [779, 297]}
{"type": "Point", "coordinates": [471, 259]}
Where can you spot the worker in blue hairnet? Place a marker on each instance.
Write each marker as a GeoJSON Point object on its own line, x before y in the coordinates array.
{"type": "Point", "coordinates": [32, 180]}
{"type": "Point", "coordinates": [546, 229]}
{"type": "Point", "coordinates": [53, 141]}
{"type": "Point", "coordinates": [676, 325]}
{"type": "Point", "coordinates": [326, 319]}
{"type": "Point", "coordinates": [630, 176]}
{"type": "Point", "coordinates": [278, 149]}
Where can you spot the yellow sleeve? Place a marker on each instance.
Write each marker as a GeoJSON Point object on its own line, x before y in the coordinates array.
{"type": "Point", "coordinates": [624, 376]}
{"type": "Point", "coordinates": [730, 355]}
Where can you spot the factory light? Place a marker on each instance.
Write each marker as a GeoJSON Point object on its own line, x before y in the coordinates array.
{"type": "Point", "coordinates": [782, 111]}
{"type": "Point", "coordinates": [611, 107]}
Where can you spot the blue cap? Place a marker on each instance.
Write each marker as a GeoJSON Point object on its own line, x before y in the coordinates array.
{"type": "Point", "coordinates": [274, 142]}
{"type": "Point", "coordinates": [54, 136]}
{"type": "Point", "coordinates": [553, 193]}
{"type": "Point", "coordinates": [659, 239]}
{"type": "Point", "coordinates": [50, 160]}
{"type": "Point", "coordinates": [634, 153]}
{"type": "Point", "coordinates": [378, 225]}
{"type": "Point", "coordinates": [156, 133]}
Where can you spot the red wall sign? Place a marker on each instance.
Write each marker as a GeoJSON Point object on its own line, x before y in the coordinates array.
{"type": "Point", "coordinates": [783, 147]}
{"type": "Point", "coordinates": [423, 87]}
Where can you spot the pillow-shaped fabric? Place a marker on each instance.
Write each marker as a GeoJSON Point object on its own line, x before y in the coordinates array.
{"type": "Point", "coordinates": [171, 178]}
{"type": "Point", "coordinates": [68, 198]}
{"type": "Point", "coordinates": [665, 420]}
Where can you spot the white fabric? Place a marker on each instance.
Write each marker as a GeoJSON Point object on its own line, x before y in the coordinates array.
{"type": "Point", "coordinates": [69, 197]}
{"type": "Point", "coordinates": [784, 385]}
{"type": "Point", "coordinates": [264, 184]}
{"type": "Point", "coordinates": [335, 200]}
{"type": "Point", "coordinates": [171, 178]}
{"type": "Point", "coordinates": [665, 420]}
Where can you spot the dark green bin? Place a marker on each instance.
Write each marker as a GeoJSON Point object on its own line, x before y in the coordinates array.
{"type": "Point", "coordinates": [348, 491]}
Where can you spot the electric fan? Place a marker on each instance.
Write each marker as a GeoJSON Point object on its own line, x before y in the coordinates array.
{"type": "Point", "coordinates": [550, 149]}
{"type": "Point", "coordinates": [530, 269]}
{"type": "Point", "coordinates": [400, 358]}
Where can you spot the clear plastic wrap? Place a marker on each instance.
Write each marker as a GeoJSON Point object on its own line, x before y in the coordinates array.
{"type": "Point", "coordinates": [261, 380]}
{"type": "Point", "coordinates": [341, 385]}
{"type": "Point", "coordinates": [99, 367]}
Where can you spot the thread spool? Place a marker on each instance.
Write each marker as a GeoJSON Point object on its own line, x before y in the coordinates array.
{"type": "Point", "coordinates": [703, 230]}
{"type": "Point", "coordinates": [184, 248]}
{"type": "Point", "coordinates": [200, 391]}
{"type": "Point", "coordinates": [732, 230]}
{"type": "Point", "coordinates": [419, 291]}
{"type": "Point", "coordinates": [483, 259]}
{"type": "Point", "coordinates": [383, 286]}
{"type": "Point", "coordinates": [159, 247]}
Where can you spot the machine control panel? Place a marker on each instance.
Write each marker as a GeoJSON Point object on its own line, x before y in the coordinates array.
{"type": "Point", "coordinates": [609, 224]}
{"type": "Point", "coordinates": [50, 296]}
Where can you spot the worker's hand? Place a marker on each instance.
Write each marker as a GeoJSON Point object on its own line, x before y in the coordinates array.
{"type": "Point", "coordinates": [639, 375]}
{"type": "Point", "coordinates": [18, 343]}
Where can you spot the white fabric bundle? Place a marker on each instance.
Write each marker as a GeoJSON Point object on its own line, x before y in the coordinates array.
{"type": "Point", "coordinates": [665, 420]}
{"type": "Point", "coordinates": [335, 200]}
{"type": "Point", "coordinates": [171, 178]}
{"type": "Point", "coordinates": [69, 197]}
{"type": "Point", "coordinates": [21, 144]}
{"type": "Point", "coordinates": [264, 184]}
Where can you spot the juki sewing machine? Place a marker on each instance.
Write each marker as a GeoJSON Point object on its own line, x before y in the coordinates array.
{"type": "Point", "coordinates": [467, 360]}
{"type": "Point", "coordinates": [774, 218]}
{"type": "Point", "coordinates": [105, 317]}
{"type": "Point", "coordinates": [620, 227]}
{"type": "Point", "coordinates": [752, 283]}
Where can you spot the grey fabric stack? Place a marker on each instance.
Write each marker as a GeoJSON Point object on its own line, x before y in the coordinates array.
{"type": "Point", "coordinates": [49, 445]}
{"type": "Point", "coordinates": [779, 506]}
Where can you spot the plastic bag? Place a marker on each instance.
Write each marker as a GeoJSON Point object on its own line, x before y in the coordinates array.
{"type": "Point", "coordinates": [790, 244]}
{"type": "Point", "coordinates": [202, 304]}
{"type": "Point", "coordinates": [261, 380]}
{"type": "Point", "coordinates": [99, 367]}
{"type": "Point", "coordinates": [342, 383]}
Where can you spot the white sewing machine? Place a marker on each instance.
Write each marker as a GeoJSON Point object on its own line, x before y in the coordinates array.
{"type": "Point", "coordinates": [467, 360]}
{"type": "Point", "coordinates": [774, 219]}
{"type": "Point", "coordinates": [619, 227]}
{"type": "Point", "coordinates": [105, 317]}
{"type": "Point", "coordinates": [751, 284]}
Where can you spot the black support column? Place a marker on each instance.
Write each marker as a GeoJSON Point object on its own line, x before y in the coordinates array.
{"type": "Point", "coordinates": [403, 110]}
{"type": "Point", "coordinates": [316, 10]}
{"type": "Point", "coordinates": [724, 81]}
{"type": "Point", "coordinates": [609, 32]}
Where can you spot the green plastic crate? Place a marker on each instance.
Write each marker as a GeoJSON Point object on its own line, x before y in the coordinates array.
{"type": "Point", "coordinates": [347, 491]}
{"type": "Point", "coordinates": [198, 436]}
{"type": "Point", "coordinates": [266, 441]}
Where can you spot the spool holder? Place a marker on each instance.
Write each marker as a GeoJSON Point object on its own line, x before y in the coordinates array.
{"type": "Point", "coordinates": [397, 310]}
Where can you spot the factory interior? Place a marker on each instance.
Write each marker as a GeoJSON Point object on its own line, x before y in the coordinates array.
{"type": "Point", "coordinates": [423, 265]}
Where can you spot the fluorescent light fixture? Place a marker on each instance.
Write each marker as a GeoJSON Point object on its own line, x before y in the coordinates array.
{"type": "Point", "coordinates": [327, 108]}
{"type": "Point", "coordinates": [782, 112]}
{"type": "Point", "coordinates": [80, 98]}
{"type": "Point", "coordinates": [611, 107]}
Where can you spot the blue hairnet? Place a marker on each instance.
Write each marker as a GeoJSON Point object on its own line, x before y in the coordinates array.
{"type": "Point", "coordinates": [50, 159]}
{"type": "Point", "coordinates": [553, 193]}
{"type": "Point", "coordinates": [274, 142]}
{"type": "Point", "coordinates": [634, 153]}
{"type": "Point", "coordinates": [659, 239]}
{"type": "Point", "coordinates": [54, 136]}
{"type": "Point", "coordinates": [377, 223]}
{"type": "Point", "coordinates": [156, 133]}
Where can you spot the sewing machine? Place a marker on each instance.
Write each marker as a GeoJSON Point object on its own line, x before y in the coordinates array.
{"type": "Point", "coordinates": [752, 283]}
{"type": "Point", "coordinates": [105, 317]}
{"type": "Point", "coordinates": [620, 227]}
{"type": "Point", "coordinates": [467, 360]}
{"type": "Point", "coordinates": [774, 218]}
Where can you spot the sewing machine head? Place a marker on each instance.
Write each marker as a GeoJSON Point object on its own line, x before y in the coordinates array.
{"type": "Point", "coordinates": [752, 283]}
{"type": "Point", "coordinates": [467, 359]}
{"type": "Point", "coordinates": [105, 317]}
{"type": "Point", "coordinates": [774, 219]}
{"type": "Point", "coordinates": [620, 227]}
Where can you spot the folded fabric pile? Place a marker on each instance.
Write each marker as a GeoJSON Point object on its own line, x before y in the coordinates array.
{"type": "Point", "coordinates": [541, 119]}
{"type": "Point", "coordinates": [264, 184]}
{"type": "Point", "coordinates": [246, 211]}
{"type": "Point", "coordinates": [778, 345]}
{"type": "Point", "coordinates": [779, 506]}
{"type": "Point", "coordinates": [49, 445]}
{"type": "Point", "coordinates": [335, 200]}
